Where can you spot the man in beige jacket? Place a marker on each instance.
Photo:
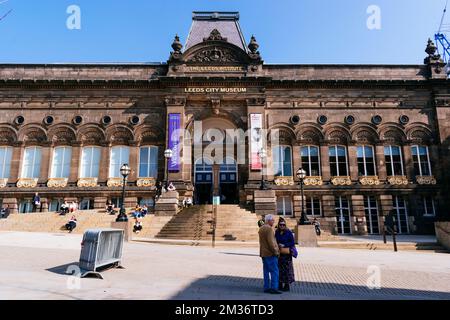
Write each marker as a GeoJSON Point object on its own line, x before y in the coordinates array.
{"type": "Point", "coordinates": [269, 252]}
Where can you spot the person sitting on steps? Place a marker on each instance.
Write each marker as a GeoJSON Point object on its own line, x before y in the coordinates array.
{"type": "Point", "coordinates": [72, 224]}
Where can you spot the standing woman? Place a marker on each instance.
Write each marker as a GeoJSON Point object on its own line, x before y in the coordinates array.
{"type": "Point", "coordinates": [286, 242]}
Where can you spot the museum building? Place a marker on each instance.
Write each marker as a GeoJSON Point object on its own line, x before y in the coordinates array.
{"type": "Point", "coordinates": [371, 138]}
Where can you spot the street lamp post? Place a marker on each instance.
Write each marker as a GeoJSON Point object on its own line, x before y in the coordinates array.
{"type": "Point", "coordinates": [301, 174]}
{"type": "Point", "coordinates": [262, 155]}
{"type": "Point", "coordinates": [125, 170]}
{"type": "Point", "coordinates": [168, 154]}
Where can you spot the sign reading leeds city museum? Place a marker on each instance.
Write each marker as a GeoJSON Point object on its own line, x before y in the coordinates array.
{"type": "Point", "coordinates": [214, 90]}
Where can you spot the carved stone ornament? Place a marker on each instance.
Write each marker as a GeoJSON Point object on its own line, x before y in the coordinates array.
{"type": "Point", "coordinates": [284, 181]}
{"type": "Point", "coordinates": [369, 180]}
{"type": "Point", "coordinates": [146, 182]}
{"type": "Point", "coordinates": [341, 181]}
{"type": "Point", "coordinates": [313, 181]}
{"type": "Point", "coordinates": [114, 182]}
{"type": "Point", "coordinates": [27, 183]}
{"type": "Point", "coordinates": [3, 183]}
{"type": "Point", "coordinates": [57, 182]}
{"type": "Point", "coordinates": [215, 55]}
{"type": "Point", "coordinates": [215, 36]}
{"type": "Point", "coordinates": [426, 180]}
{"type": "Point", "coordinates": [398, 180]}
{"type": "Point", "coordinates": [87, 182]}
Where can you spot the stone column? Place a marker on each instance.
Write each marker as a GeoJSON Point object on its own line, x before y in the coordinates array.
{"type": "Point", "coordinates": [100, 203]}
{"type": "Point", "coordinates": [380, 162]}
{"type": "Point", "coordinates": [13, 205]}
{"type": "Point", "coordinates": [329, 212]}
{"type": "Point", "coordinates": [297, 160]}
{"type": "Point", "coordinates": [352, 163]}
{"type": "Point", "coordinates": [104, 164]}
{"type": "Point", "coordinates": [385, 207]}
{"type": "Point", "coordinates": [325, 163]}
{"type": "Point", "coordinates": [265, 202]}
{"type": "Point", "coordinates": [358, 218]}
{"type": "Point", "coordinates": [133, 162]}
{"type": "Point", "coordinates": [16, 163]}
{"type": "Point", "coordinates": [433, 152]}
{"type": "Point", "coordinates": [75, 163]}
{"type": "Point", "coordinates": [45, 164]}
{"type": "Point", "coordinates": [44, 204]}
{"type": "Point", "coordinates": [408, 163]}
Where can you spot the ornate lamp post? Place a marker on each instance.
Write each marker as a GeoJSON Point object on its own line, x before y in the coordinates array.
{"type": "Point", "coordinates": [125, 170]}
{"type": "Point", "coordinates": [262, 155]}
{"type": "Point", "coordinates": [301, 174]}
{"type": "Point", "coordinates": [168, 154]}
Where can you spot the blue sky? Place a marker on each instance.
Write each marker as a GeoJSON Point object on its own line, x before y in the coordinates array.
{"type": "Point", "coordinates": [289, 31]}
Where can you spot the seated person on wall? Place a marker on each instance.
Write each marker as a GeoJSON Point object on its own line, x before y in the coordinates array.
{"type": "Point", "coordinates": [110, 208]}
{"type": "Point", "coordinates": [137, 212]}
{"type": "Point", "coordinates": [171, 187]}
{"type": "Point", "coordinates": [144, 210]}
{"type": "Point", "coordinates": [73, 207]}
{"type": "Point", "coordinates": [137, 226]}
{"type": "Point", "coordinates": [72, 224]}
{"type": "Point", "coordinates": [189, 202]}
{"type": "Point", "coordinates": [4, 213]}
{"type": "Point", "coordinates": [64, 209]}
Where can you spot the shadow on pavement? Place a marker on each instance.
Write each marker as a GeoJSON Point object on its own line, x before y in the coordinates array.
{"type": "Point", "coordinates": [241, 254]}
{"type": "Point", "coordinates": [62, 270]}
{"type": "Point", "coordinates": [217, 287]}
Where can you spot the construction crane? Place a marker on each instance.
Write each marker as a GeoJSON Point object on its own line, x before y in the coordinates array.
{"type": "Point", "coordinates": [443, 45]}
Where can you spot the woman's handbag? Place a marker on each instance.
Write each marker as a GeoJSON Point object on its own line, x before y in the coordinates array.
{"type": "Point", "coordinates": [285, 251]}
{"type": "Point", "coordinates": [293, 251]}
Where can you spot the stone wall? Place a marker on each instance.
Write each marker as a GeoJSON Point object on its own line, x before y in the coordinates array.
{"type": "Point", "coordinates": [443, 233]}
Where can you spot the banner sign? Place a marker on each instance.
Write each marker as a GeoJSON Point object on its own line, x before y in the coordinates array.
{"type": "Point", "coordinates": [256, 141]}
{"type": "Point", "coordinates": [174, 141]}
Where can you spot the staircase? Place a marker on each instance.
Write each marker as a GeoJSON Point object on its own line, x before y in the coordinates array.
{"type": "Point", "coordinates": [194, 223]}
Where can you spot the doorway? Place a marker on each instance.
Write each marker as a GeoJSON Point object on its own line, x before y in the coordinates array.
{"type": "Point", "coordinates": [203, 181]}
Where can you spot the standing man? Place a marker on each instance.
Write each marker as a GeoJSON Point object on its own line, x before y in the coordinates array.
{"type": "Point", "coordinates": [269, 253]}
{"type": "Point", "coordinates": [36, 202]}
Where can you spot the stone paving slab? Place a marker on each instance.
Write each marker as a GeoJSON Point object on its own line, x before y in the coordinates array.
{"type": "Point", "coordinates": [32, 266]}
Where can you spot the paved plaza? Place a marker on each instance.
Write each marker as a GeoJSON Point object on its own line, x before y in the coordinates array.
{"type": "Point", "coordinates": [33, 266]}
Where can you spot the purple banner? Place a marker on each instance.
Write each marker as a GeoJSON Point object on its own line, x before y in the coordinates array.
{"type": "Point", "coordinates": [174, 141]}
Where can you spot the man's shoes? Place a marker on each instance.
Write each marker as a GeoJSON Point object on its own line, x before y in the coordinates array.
{"type": "Point", "coordinates": [273, 291]}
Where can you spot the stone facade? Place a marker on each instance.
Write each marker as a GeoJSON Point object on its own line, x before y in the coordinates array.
{"type": "Point", "coordinates": [221, 84]}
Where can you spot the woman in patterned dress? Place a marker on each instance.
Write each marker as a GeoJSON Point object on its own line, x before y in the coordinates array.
{"type": "Point", "coordinates": [285, 239]}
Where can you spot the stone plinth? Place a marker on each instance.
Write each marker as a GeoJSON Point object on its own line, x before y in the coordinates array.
{"type": "Point", "coordinates": [443, 233]}
{"type": "Point", "coordinates": [167, 204]}
{"type": "Point", "coordinates": [305, 236]}
{"type": "Point", "coordinates": [125, 226]}
{"type": "Point", "coordinates": [100, 203]}
{"type": "Point", "coordinates": [13, 205]}
{"type": "Point", "coordinates": [265, 202]}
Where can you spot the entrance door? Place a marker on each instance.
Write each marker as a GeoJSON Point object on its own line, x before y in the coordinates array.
{"type": "Point", "coordinates": [401, 217]}
{"type": "Point", "coordinates": [343, 215]}
{"type": "Point", "coordinates": [371, 211]}
{"type": "Point", "coordinates": [203, 181]}
{"type": "Point", "coordinates": [228, 182]}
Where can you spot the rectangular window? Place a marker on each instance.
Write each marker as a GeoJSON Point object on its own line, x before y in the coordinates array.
{"type": "Point", "coordinates": [338, 161]}
{"type": "Point", "coordinates": [371, 211]}
{"type": "Point", "coordinates": [31, 167]}
{"type": "Point", "coordinates": [26, 206]}
{"type": "Point", "coordinates": [311, 160]}
{"type": "Point", "coordinates": [282, 161]}
{"type": "Point", "coordinates": [119, 156]}
{"type": "Point", "coordinates": [62, 157]}
{"type": "Point", "coordinates": [427, 206]}
{"type": "Point", "coordinates": [313, 206]}
{"type": "Point", "coordinates": [421, 160]}
{"type": "Point", "coordinates": [394, 160]}
{"type": "Point", "coordinates": [342, 205]}
{"type": "Point", "coordinates": [5, 162]}
{"type": "Point", "coordinates": [284, 206]}
{"type": "Point", "coordinates": [90, 162]}
{"type": "Point", "coordinates": [366, 161]}
{"type": "Point", "coordinates": [148, 162]}
{"type": "Point", "coordinates": [401, 214]}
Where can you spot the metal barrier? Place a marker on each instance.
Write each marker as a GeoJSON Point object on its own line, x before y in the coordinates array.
{"type": "Point", "coordinates": [101, 248]}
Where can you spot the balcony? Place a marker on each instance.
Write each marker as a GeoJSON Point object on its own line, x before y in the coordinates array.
{"type": "Point", "coordinates": [3, 182]}
{"type": "Point", "coordinates": [87, 182]}
{"type": "Point", "coordinates": [284, 181]}
{"type": "Point", "coordinates": [341, 181]}
{"type": "Point", "coordinates": [426, 180]}
{"type": "Point", "coordinates": [57, 182]}
{"type": "Point", "coordinates": [398, 180]}
{"type": "Point", "coordinates": [27, 183]}
{"type": "Point", "coordinates": [313, 181]}
{"type": "Point", "coordinates": [146, 182]}
{"type": "Point", "coordinates": [369, 180]}
{"type": "Point", "coordinates": [115, 182]}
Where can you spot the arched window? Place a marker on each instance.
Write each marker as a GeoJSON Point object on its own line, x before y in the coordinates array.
{"type": "Point", "coordinates": [61, 162]}
{"type": "Point", "coordinates": [311, 160]}
{"type": "Point", "coordinates": [119, 156]}
{"type": "Point", "coordinates": [338, 161]}
{"type": "Point", "coordinates": [5, 162]}
{"type": "Point", "coordinates": [366, 161]}
{"type": "Point", "coordinates": [148, 162]}
{"type": "Point", "coordinates": [31, 166]}
{"type": "Point", "coordinates": [394, 160]}
{"type": "Point", "coordinates": [90, 162]}
{"type": "Point", "coordinates": [421, 160]}
{"type": "Point", "coordinates": [282, 161]}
